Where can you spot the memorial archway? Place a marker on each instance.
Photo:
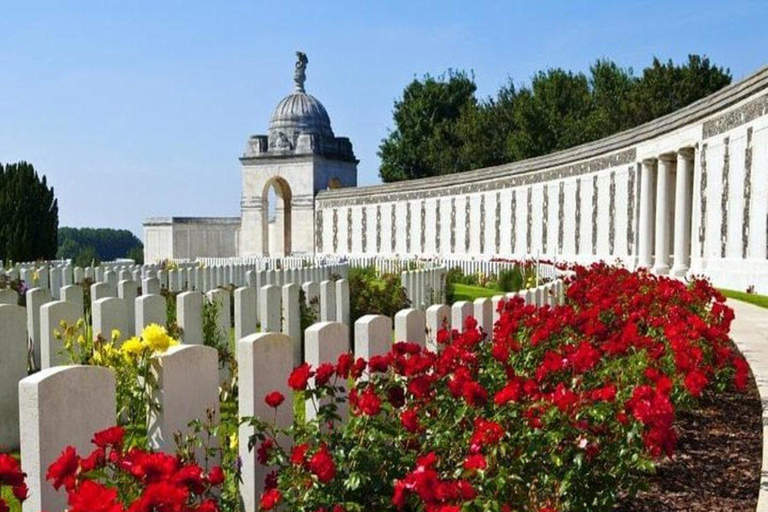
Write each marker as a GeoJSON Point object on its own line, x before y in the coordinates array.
{"type": "Point", "coordinates": [276, 218]}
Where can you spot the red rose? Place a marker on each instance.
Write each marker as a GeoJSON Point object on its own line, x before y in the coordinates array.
{"type": "Point", "coordinates": [10, 471]}
{"type": "Point", "coordinates": [324, 373]}
{"type": "Point", "coordinates": [216, 475]}
{"type": "Point", "coordinates": [274, 399]}
{"type": "Point", "coordinates": [299, 454]}
{"type": "Point", "coordinates": [344, 365]}
{"type": "Point", "coordinates": [270, 499]}
{"type": "Point", "coordinates": [322, 466]}
{"type": "Point", "coordinates": [475, 461]}
{"type": "Point", "coordinates": [63, 470]}
{"type": "Point", "coordinates": [299, 377]}
{"type": "Point", "coordinates": [369, 402]}
{"type": "Point", "coordinates": [90, 496]}
{"type": "Point", "coordinates": [410, 420]}
{"type": "Point", "coordinates": [262, 454]}
{"type": "Point", "coordinates": [109, 438]}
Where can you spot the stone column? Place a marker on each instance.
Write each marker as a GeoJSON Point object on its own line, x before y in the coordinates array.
{"type": "Point", "coordinates": [683, 203]}
{"type": "Point", "coordinates": [663, 225]}
{"type": "Point", "coordinates": [647, 200]}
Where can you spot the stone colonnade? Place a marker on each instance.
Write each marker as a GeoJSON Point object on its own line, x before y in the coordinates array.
{"type": "Point", "coordinates": [666, 194]}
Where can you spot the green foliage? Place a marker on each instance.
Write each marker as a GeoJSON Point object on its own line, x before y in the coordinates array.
{"type": "Point", "coordinates": [511, 280]}
{"type": "Point", "coordinates": [442, 128]}
{"type": "Point", "coordinates": [29, 212]}
{"type": "Point", "coordinates": [371, 294]}
{"type": "Point", "coordinates": [87, 245]}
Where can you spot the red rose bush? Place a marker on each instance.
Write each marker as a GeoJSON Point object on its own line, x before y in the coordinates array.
{"type": "Point", "coordinates": [559, 409]}
{"type": "Point", "coordinates": [115, 479]}
{"type": "Point", "coordinates": [11, 477]}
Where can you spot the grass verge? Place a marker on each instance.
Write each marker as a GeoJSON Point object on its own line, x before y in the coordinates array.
{"type": "Point", "coordinates": [752, 298]}
{"type": "Point", "coordinates": [469, 292]}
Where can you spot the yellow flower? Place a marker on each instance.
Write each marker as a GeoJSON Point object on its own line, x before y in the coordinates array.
{"type": "Point", "coordinates": [115, 335]}
{"type": "Point", "coordinates": [132, 346]}
{"type": "Point", "coordinates": [35, 277]}
{"type": "Point", "coordinates": [156, 338]}
{"type": "Point", "coordinates": [233, 442]}
{"type": "Point", "coordinates": [81, 339]}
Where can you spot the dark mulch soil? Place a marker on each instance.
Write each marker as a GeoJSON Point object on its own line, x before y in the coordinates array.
{"type": "Point", "coordinates": [717, 464]}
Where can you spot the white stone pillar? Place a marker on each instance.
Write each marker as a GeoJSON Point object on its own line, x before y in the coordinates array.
{"type": "Point", "coordinates": [664, 186]}
{"type": "Point", "coordinates": [683, 203]}
{"type": "Point", "coordinates": [647, 214]}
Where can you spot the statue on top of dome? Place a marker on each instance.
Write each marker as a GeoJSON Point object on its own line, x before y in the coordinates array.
{"type": "Point", "coordinates": [299, 75]}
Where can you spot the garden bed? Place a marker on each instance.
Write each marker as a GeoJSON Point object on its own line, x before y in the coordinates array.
{"type": "Point", "coordinates": [717, 466]}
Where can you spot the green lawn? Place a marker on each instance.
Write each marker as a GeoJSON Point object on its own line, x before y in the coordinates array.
{"type": "Point", "coordinates": [752, 298]}
{"type": "Point", "coordinates": [469, 292]}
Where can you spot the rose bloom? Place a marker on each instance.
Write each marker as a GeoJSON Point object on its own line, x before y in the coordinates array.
{"type": "Point", "coordinates": [270, 499]}
{"type": "Point", "coordinates": [299, 377]}
{"type": "Point", "coordinates": [274, 399]}
{"type": "Point", "coordinates": [322, 466]}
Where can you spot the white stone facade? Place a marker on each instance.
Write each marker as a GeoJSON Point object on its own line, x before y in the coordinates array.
{"type": "Point", "coordinates": [683, 194]}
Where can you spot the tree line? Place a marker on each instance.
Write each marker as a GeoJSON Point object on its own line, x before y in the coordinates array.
{"type": "Point", "coordinates": [441, 127]}
{"type": "Point", "coordinates": [85, 246]}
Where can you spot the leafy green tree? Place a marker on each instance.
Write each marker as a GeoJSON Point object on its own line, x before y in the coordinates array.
{"type": "Point", "coordinates": [665, 88]}
{"type": "Point", "coordinates": [103, 244]}
{"type": "Point", "coordinates": [29, 212]}
{"type": "Point", "coordinates": [442, 128]}
{"type": "Point", "coordinates": [424, 142]}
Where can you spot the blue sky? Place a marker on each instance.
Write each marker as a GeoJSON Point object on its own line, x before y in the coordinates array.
{"type": "Point", "coordinates": [135, 109]}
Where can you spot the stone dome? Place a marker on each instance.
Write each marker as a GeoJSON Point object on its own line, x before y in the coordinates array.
{"type": "Point", "coordinates": [299, 113]}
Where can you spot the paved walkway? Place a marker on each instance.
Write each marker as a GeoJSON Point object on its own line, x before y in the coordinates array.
{"type": "Point", "coordinates": [749, 331]}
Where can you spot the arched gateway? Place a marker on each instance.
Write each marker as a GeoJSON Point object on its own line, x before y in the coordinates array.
{"type": "Point", "coordinates": [298, 157]}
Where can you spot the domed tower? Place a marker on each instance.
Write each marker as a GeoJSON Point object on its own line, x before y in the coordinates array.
{"type": "Point", "coordinates": [299, 156]}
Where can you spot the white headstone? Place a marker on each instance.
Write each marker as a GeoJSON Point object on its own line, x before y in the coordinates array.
{"type": "Point", "coordinates": [150, 309]}
{"type": "Point", "coordinates": [189, 317]}
{"type": "Point", "coordinates": [270, 308]}
{"type": "Point", "coordinates": [410, 325]}
{"type": "Point", "coordinates": [13, 360]}
{"type": "Point", "coordinates": [51, 316]}
{"type": "Point", "coordinates": [8, 296]}
{"type": "Point", "coordinates": [292, 320]}
{"type": "Point", "coordinates": [483, 312]}
{"type": "Point", "coordinates": [373, 336]}
{"type": "Point", "coordinates": [187, 386]}
{"type": "Point", "coordinates": [111, 314]}
{"type": "Point", "coordinates": [264, 362]}
{"type": "Point", "coordinates": [36, 297]}
{"type": "Point", "coordinates": [60, 407]}
{"type": "Point", "coordinates": [438, 317]}
{"type": "Point", "coordinates": [222, 299]}
{"type": "Point", "coordinates": [327, 301]}
{"type": "Point", "coordinates": [245, 312]}
{"type": "Point", "coordinates": [342, 301]}
{"type": "Point", "coordinates": [324, 343]}
{"type": "Point", "coordinates": [126, 290]}
{"type": "Point", "coordinates": [459, 312]}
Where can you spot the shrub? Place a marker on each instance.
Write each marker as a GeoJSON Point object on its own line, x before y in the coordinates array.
{"type": "Point", "coordinates": [558, 411]}
{"type": "Point", "coordinates": [371, 294]}
{"type": "Point", "coordinates": [510, 280]}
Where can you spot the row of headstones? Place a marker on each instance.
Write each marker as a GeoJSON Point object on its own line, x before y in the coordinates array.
{"type": "Point", "coordinates": [121, 309]}
{"type": "Point", "coordinates": [424, 287]}
{"type": "Point", "coordinates": [210, 277]}
{"type": "Point", "coordinates": [36, 326]}
{"type": "Point", "coordinates": [64, 405]}
{"type": "Point", "coordinates": [187, 276]}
